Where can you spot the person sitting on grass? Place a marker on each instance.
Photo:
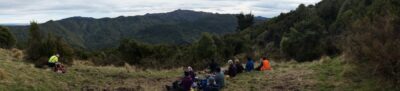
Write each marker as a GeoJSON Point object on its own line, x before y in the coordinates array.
{"type": "Point", "coordinates": [249, 64]}
{"type": "Point", "coordinates": [192, 74]}
{"type": "Point", "coordinates": [211, 86]}
{"type": "Point", "coordinates": [265, 64]}
{"type": "Point", "coordinates": [53, 60]}
{"type": "Point", "coordinates": [219, 78]}
{"type": "Point", "coordinates": [239, 66]}
{"type": "Point", "coordinates": [186, 82]}
{"type": "Point", "coordinates": [232, 70]}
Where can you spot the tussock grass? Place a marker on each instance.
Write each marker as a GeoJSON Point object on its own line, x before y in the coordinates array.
{"type": "Point", "coordinates": [17, 75]}
{"type": "Point", "coordinates": [3, 74]}
{"type": "Point", "coordinates": [326, 74]}
{"type": "Point", "coordinates": [285, 76]}
{"type": "Point", "coordinates": [335, 74]}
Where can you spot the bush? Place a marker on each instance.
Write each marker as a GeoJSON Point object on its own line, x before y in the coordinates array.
{"type": "Point", "coordinates": [40, 49]}
{"type": "Point", "coordinates": [303, 42]}
{"type": "Point", "coordinates": [7, 40]}
{"type": "Point", "coordinates": [373, 46]}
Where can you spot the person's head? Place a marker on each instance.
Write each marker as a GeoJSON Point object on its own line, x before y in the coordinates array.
{"type": "Point", "coordinates": [58, 55]}
{"type": "Point", "coordinates": [218, 69]}
{"type": "Point", "coordinates": [237, 61]}
{"type": "Point", "coordinates": [230, 61]}
{"type": "Point", "coordinates": [249, 59]}
{"type": "Point", "coordinates": [264, 58]}
{"type": "Point", "coordinates": [189, 68]}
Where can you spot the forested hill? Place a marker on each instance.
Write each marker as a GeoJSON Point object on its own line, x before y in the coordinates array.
{"type": "Point", "coordinates": [176, 27]}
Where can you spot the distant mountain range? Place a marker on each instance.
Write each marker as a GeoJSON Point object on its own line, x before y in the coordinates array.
{"type": "Point", "coordinates": [176, 27]}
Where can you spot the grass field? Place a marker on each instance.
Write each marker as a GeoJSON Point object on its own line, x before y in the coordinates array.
{"type": "Point", "coordinates": [320, 75]}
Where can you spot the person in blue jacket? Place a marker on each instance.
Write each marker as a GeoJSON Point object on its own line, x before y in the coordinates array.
{"type": "Point", "coordinates": [249, 64]}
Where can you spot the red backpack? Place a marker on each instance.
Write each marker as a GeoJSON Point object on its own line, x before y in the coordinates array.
{"type": "Point", "coordinates": [59, 68]}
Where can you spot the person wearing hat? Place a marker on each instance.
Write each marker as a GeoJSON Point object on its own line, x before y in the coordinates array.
{"type": "Point", "coordinates": [232, 70]}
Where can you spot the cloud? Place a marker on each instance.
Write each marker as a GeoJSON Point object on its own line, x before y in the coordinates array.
{"type": "Point", "coordinates": [24, 11]}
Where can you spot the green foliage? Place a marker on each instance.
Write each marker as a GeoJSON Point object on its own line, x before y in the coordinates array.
{"type": "Point", "coordinates": [244, 21]}
{"type": "Point", "coordinates": [7, 40]}
{"type": "Point", "coordinates": [133, 52]}
{"type": "Point", "coordinates": [41, 48]}
{"type": "Point", "coordinates": [176, 28]}
{"type": "Point", "coordinates": [34, 42]}
{"type": "Point", "coordinates": [206, 47]}
{"type": "Point", "coordinates": [376, 56]}
{"type": "Point", "coordinates": [151, 56]}
{"type": "Point", "coordinates": [303, 42]}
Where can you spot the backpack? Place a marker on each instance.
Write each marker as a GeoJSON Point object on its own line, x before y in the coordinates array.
{"type": "Point", "coordinates": [59, 68]}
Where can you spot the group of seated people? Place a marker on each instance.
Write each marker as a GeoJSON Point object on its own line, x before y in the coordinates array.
{"type": "Point", "coordinates": [215, 80]}
{"type": "Point", "coordinates": [237, 67]}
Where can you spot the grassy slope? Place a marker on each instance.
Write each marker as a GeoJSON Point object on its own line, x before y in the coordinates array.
{"type": "Point", "coordinates": [325, 74]}
{"type": "Point", "coordinates": [15, 75]}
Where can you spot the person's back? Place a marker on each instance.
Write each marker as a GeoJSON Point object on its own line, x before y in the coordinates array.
{"type": "Point", "coordinates": [232, 70]}
{"type": "Point", "coordinates": [265, 64]}
{"type": "Point", "coordinates": [191, 72]}
{"type": "Point", "coordinates": [249, 64]}
{"type": "Point", "coordinates": [186, 82]}
{"type": "Point", "coordinates": [219, 78]}
{"type": "Point", "coordinates": [211, 85]}
{"type": "Point", "coordinates": [53, 60]}
{"type": "Point", "coordinates": [239, 66]}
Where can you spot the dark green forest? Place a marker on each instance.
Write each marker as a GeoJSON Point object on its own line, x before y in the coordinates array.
{"type": "Point", "coordinates": [176, 27]}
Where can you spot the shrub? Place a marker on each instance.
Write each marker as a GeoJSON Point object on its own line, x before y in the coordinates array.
{"type": "Point", "coordinates": [373, 46]}
{"type": "Point", "coordinates": [40, 49]}
{"type": "Point", "coordinates": [303, 42]}
{"type": "Point", "coordinates": [7, 40]}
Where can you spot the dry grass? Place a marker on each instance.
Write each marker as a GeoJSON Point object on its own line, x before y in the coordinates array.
{"type": "Point", "coordinates": [285, 76]}
{"type": "Point", "coordinates": [325, 74]}
{"type": "Point", "coordinates": [3, 75]}
{"type": "Point", "coordinates": [17, 75]}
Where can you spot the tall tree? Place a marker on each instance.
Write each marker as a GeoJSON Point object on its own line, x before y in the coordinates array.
{"type": "Point", "coordinates": [244, 21]}
{"type": "Point", "coordinates": [34, 42]}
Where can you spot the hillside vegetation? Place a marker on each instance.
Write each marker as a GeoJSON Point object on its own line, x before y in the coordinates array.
{"type": "Point", "coordinates": [176, 27]}
{"type": "Point", "coordinates": [332, 45]}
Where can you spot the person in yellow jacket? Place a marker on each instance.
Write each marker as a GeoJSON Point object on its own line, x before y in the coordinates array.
{"type": "Point", "coordinates": [53, 60]}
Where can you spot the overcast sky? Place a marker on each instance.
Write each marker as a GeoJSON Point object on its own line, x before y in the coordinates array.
{"type": "Point", "coordinates": [24, 11]}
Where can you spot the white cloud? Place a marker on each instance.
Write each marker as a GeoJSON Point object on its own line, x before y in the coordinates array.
{"type": "Point", "coordinates": [24, 11]}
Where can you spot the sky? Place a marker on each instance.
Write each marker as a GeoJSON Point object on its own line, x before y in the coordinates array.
{"type": "Point", "coordinates": [24, 11]}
